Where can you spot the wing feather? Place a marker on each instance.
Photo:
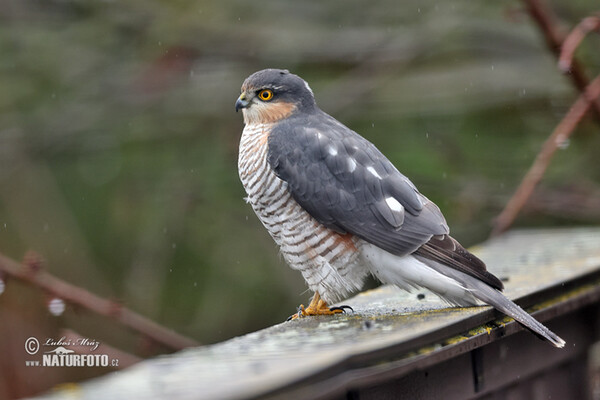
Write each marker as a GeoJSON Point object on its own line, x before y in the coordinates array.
{"type": "Point", "coordinates": [344, 182]}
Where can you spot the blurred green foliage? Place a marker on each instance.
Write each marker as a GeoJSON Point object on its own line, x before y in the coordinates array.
{"type": "Point", "coordinates": [118, 136]}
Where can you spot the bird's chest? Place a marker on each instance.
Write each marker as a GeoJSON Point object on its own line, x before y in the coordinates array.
{"type": "Point", "coordinates": [267, 194]}
{"type": "Point", "coordinates": [327, 260]}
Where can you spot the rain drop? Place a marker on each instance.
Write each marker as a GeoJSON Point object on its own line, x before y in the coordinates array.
{"type": "Point", "coordinates": [56, 306]}
{"type": "Point", "coordinates": [195, 284]}
{"type": "Point", "coordinates": [563, 144]}
{"type": "Point", "coordinates": [1, 286]}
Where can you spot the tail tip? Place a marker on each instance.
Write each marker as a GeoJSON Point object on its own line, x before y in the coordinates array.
{"type": "Point", "coordinates": [557, 342]}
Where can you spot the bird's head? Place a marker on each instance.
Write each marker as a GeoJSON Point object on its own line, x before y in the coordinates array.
{"type": "Point", "coordinates": [273, 94]}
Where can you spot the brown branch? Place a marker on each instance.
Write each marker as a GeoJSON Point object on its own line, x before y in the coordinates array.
{"type": "Point", "coordinates": [560, 134]}
{"type": "Point", "coordinates": [32, 272]}
{"type": "Point", "coordinates": [547, 21]}
{"type": "Point", "coordinates": [124, 359]}
{"type": "Point", "coordinates": [573, 40]}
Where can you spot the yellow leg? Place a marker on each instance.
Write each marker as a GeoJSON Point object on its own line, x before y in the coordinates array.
{"type": "Point", "coordinates": [317, 306]}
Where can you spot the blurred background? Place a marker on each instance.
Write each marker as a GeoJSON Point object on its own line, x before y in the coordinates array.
{"type": "Point", "coordinates": [118, 144]}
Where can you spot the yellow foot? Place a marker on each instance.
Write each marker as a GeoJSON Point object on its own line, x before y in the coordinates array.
{"type": "Point", "coordinates": [318, 307]}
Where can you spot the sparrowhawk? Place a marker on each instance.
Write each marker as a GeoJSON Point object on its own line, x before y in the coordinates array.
{"type": "Point", "coordinates": [339, 210]}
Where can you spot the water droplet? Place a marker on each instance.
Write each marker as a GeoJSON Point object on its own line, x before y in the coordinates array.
{"type": "Point", "coordinates": [372, 124]}
{"type": "Point", "coordinates": [444, 175]}
{"type": "Point", "coordinates": [426, 135]}
{"type": "Point", "coordinates": [174, 245]}
{"type": "Point", "coordinates": [56, 306]}
{"type": "Point", "coordinates": [563, 144]}
{"type": "Point", "coordinates": [2, 286]}
{"type": "Point", "coordinates": [492, 67]}
{"type": "Point", "coordinates": [195, 284]}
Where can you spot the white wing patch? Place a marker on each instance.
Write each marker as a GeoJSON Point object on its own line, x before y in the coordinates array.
{"type": "Point", "coordinates": [394, 204]}
{"type": "Point", "coordinates": [373, 172]}
{"type": "Point", "coordinates": [351, 164]}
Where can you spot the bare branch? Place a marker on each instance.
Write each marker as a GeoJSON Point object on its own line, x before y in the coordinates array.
{"type": "Point", "coordinates": [560, 134]}
{"type": "Point", "coordinates": [573, 40]}
{"type": "Point", "coordinates": [33, 273]}
{"type": "Point", "coordinates": [124, 359]}
{"type": "Point", "coordinates": [542, 14]}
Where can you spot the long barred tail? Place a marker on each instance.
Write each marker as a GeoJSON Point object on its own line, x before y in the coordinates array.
{"type": "Point", "coordinates": [496, 299]}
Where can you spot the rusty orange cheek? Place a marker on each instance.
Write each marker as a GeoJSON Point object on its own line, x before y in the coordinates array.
{"type": "Point", "coordinates": [272, 112]}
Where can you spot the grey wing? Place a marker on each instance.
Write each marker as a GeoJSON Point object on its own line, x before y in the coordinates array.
{"type": "Point", "coordinates": [348, 185]}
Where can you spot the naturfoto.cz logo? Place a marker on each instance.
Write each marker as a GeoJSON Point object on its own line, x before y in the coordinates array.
{"type": "Point", "coordinates": [62, 356]}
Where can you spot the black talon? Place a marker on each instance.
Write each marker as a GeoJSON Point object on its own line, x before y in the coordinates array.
{"type": "Point", "coordinates": [342, 308]}
{"type": "Point", "coordinates": [298, 313]}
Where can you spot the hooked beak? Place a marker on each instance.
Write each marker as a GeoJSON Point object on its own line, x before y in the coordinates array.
{"type": "Point", "coordinates": [241, 102]}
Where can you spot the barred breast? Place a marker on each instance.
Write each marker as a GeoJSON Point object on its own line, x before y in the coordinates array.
{"type": "Point", "coordinates": [328, 261]}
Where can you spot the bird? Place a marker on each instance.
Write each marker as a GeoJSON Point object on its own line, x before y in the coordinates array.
{"type": "Point", "coordinates": [340, 211]}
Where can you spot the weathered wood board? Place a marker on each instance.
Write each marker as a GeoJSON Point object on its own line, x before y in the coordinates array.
{"type": "Point", "coordinates": [390, 332]}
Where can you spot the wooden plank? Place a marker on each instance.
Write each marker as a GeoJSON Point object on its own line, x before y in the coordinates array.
{"type": "Point", "coordinates": [391, 334]}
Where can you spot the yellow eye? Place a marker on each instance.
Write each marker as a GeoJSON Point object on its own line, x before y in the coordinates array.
{"type": "Point", "coordinates": [265, 95]}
